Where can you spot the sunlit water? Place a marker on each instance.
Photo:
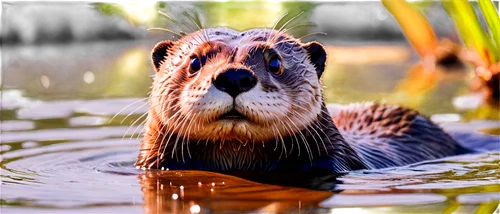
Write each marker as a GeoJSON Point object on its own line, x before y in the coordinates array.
{"type": "Point", "coordinates": [62, 153]}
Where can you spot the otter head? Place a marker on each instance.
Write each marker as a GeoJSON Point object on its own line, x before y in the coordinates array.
{"type": "Point", "coordinates": [223, 85]}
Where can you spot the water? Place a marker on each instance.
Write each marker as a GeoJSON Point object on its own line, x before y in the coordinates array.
{"type": "Point", "coordinates": [62, 153]}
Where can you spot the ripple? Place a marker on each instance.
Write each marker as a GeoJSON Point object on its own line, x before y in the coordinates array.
{"type": "Point", "coordinates": [477, 198]}
{"type": "Point", "coordinates": [16, 125]}
{"type": "Point", "coordinates": [68, 134]}
{"type": "Point", "coordinates": [13, 99]}
{"type": "Point", "coordinates": [110, 107]}
{"type": "Point", "coordinates": [441, 118]}
{"type": "Point", "coordinates": [44, 110]}
{"type": "Point", "coordinates": [470, 101]}
{"type": "Point", "coordinates": [4, 148]}
{"type": "Point", "coordinates": [470, 126]}
{"type": "Point", "coordinates": [382, 200]}
{"type": "Point", "coordinates": [29, 144]}
{"type": "Point", "coordinates": [456, 172]}
{"type": "Point", "coordinates": [449, 184]}
{"type": "Point", "coordinates": [70, 174]}
{"type": "Point", "coordinates": [105, 107]}
{"type": "Point", "coordinates": [87, 121]}
{"type": "Point", "coordinates": [118, 208]}
{"type": "Point", "coordinates": [69, 146]}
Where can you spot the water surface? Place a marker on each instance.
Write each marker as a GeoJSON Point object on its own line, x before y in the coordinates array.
{"type": "Point", "coordinates": [62, 153]}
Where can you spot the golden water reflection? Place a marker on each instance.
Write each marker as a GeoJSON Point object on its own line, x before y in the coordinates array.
{"type": "Point", "coordinates": [206, 192]}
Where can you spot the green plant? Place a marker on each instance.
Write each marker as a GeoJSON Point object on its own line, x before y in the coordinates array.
{"type": "Point", "coordinates": [417, 29]}
{"type": "Point", "coordinates": [482, 45]}
{"type": "Point", "coordinates": [466, 22]}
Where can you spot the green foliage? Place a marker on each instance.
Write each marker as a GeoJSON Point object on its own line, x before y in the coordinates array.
{"type": "Point", "coordinates": [472, 33]}
{"type": "Point", "coordinates": [243, 15]}
{"type": "Point", "coordinates": [491, 16]}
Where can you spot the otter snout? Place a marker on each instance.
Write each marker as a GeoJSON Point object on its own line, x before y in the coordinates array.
{"type": "Point", "coordinates": [235, 81]}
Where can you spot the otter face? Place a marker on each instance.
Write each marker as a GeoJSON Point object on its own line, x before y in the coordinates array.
{"type": "Point", "coordinates": [223, 85]}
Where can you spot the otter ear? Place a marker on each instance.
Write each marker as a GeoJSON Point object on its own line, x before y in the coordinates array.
{"type": "Point", "coordinates": [159, 53]}
{"type": "Point", "coordinates": [317, 54]}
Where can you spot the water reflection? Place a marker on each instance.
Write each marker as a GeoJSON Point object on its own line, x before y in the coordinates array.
{"type": "Point", "coordinates": [86, 71]}
{"type": "Point", "coordinates": [181, 192]}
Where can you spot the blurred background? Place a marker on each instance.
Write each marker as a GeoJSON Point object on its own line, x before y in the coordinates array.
{"type": "Point", "coordinates": [378, 50]}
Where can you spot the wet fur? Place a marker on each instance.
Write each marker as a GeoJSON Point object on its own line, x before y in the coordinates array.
{"type": "Point", "coordinates": [288, 127]}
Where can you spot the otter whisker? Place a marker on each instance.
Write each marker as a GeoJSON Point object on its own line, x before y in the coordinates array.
{"type": "Point", "coordinates": [312, 134]}
{"type": "Point", "coordinates": [313, 33]}
{"type": "Point", "coordinates": [309, 152]}
{"type": "Point", "coordinates": [170, 133]}
{"type": "Point", "coordinates": [299, 25]}
{"type": "Point", "coordinates": [294, 41]}
{"type": "Point", "coordinates": [284, 25]}
{"type": "Point", "coordinates": [182, 124]}
{"type": "Point", "coordinates": [163, 29]}
{"type": "Point", "coordinates": [144, 113]}
{"type": "Point", "coordinates": [197, 24]}
{"type": "Point", "coordinates": [183, 136]}
{"type": "Point", "coordinates": [275, 137]}
{"type": "Point", "coordinates": [156, 145]}
{"type": "Point", "coordinates": [197, 16]}
{"type": "Point", "coordinates": [128, 115]}
{"type": "Point", "coordinates": [314, 129]}
{"type": "Point", "coordinates": [282, 143]}
{"type": "Point", "coordinates": [189, 26]}
{"type": "Point", "coordinates": [190, 18]}
{"type": "Point", "coordinates": [175, 22]}
{"type": "Point", "coordinates": [144, 121]}
{"type": "Point", "coordinates": [182, 141]}
{"type": "Point", "coordinates": [164, 14]}
{"type": "Point", "coordinates": [290, 20]}
{"type": "Point", "coordinates": [133, 123]}
{"type": "Point", "coordinates": [127, 106]}
{"type": "Point", "coordinates": [206, 142]}
{"type": "Point", "coordinates": [162, 107]}
{"type": "Point", "coordinates": [289, 131]}
{"type": "Point", "coordinates": [276, 24]}
{"type": "Point", "coordinates": [158, 134]}
{"type": "Point", "coordinates": [164, 136]}
{"type": "Point", "coordinates": [194, 32]}
{"type": "Point", "coordinates": [169, 129]}
{"type": "Point", "coordinates": [315, 124]}
{"type": "Point", "coordinates": [300, 105]}
{"type": "Point", "coordinates": [300, 38]}
{"type": "Point", "coordinates": [281, 136]}
{"type": "Point", "coordinates": [196, 126]}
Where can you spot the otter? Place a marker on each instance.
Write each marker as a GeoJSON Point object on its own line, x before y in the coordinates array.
{"type": "Point", "coordinates": [224, 100]}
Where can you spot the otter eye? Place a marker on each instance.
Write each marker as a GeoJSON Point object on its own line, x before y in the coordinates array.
{"type": "Point", "coordinates": [274, 65]}
{"type": "Point", "coordinates": [194, 65]}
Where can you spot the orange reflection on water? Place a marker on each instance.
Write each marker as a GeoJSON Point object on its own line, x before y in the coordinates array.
{"type": "Point", "coordinates": [221, 193]}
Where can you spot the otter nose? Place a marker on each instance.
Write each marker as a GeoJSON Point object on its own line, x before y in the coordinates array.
{"type": "Point", "coordinates": [235, 81]}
